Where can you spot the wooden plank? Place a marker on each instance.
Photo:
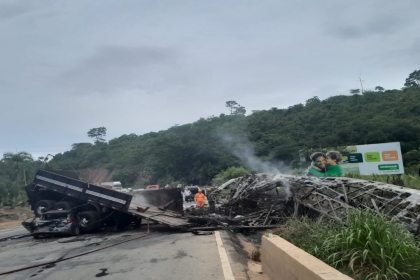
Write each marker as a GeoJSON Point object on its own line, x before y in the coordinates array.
{"type": "Point", "coordinates": [154, 214]}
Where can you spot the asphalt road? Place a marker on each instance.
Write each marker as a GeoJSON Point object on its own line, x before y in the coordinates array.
{"type": "Point", "coordinates": [4, 233]}
{"type": "Point", "coordinates": [164, 254]}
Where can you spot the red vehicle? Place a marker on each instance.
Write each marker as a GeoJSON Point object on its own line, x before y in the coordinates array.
{"type": "Point", "coordinates": [153, 187]}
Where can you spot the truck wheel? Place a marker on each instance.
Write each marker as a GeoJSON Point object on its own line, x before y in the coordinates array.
{"type": "Point", "coordinates": [76, 231]}
{"type": "Point", "coordinates": [37, 236]}
{"type": "Point", "coordinates": [124, 221]}
{"type": "Point", "coordinates": [87, 221]}
{"type": "Point", "coordinates": [43, 206]}
{"type": "Point", "coordinates": [64, 205]}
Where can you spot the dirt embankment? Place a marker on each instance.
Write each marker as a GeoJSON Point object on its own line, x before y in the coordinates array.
{"type": "Point", "coordinates": [97, 175]}
{"type": "Point", "coordinates": [100, 175]}
{"type": "Point", "coordinates": [14, 217]}
{"type": "Point", "coordinates": [10, 224]}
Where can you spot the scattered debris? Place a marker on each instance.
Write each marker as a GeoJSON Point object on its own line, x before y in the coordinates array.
{"type": "Point", "coordinates": [164, 207]}
{"type": "Point", "coordinates": [140, 209]}
{"type": "Point", "coordinates": [264, 199]}
{"type": "Point", "coordinates": [102, 273]}
{"type": "Point", "coordinates": [196, 232]}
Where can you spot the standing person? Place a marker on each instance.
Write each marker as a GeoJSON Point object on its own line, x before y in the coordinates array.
{"type": "Point", "coordinates": [187, 194]}
{"type": "Point", "coordinates": [200, 198]}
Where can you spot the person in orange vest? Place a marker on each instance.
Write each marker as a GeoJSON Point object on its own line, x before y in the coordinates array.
{"type": "Point", "coordinates": [200, 198]}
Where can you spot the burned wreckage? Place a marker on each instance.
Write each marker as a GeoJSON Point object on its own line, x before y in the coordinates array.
{"type": "Point", "coordinates": [262, 200]}
{"type": "Point", "coordinates": [250, 202]}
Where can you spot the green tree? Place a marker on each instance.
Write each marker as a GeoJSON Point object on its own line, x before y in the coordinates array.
{"type": "Point", "coordinates": [3, 193]}
{"type": "Point", "coordinates": [413, 79]}
{"type": "Point", "coordinates": [13, 194]}
{"type": "Point", "coordinates": [313, 101]}
{"type": "Point", "coordinates": [230, 173]}
{"type": "Point", "coordinates": [20, 161]}
{"type": "Point", "coordinates": [412, 157]}
{"type": "Point", "coordinates": [17, 157]}
{"type": "Point", "coordinates": [76, 146]}
{"type": "Point", "coordinates": [240, 110]}
{"type": "Point", "coordinates": [379, 88]}
{"type": "Point", "coordinates": [97, 133]}
{"type": "Point", "coordinates": [355, 91]}
{"type": "Point", "coordinates": [232, 105]}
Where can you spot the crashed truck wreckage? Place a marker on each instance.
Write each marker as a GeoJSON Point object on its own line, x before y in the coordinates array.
{"type": "Point", "coordinates": [250, 202]}
{"type": "Point", "coordinates": [263, 199]}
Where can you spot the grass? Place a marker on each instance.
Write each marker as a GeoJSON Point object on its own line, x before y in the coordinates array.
{"type": "Point", "coordinates": [410, 180]}
{"type": "Point", "coordinates": [309, 235]}
{"type": "Point", "coordinates": [371, 246]}
{"type": "Point", "coordinates": [256, 255]}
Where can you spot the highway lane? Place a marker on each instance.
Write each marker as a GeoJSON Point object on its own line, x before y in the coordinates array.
{"type": "Point", "coordinates": [4, 233]}
{"type": "Point", "coordinates": [164, 254]}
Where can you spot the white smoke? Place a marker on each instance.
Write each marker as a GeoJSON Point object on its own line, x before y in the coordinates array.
{"type": "Point", "coordinates": [243, 149]}
{"type": "Point", "coordinates": [287, 186]}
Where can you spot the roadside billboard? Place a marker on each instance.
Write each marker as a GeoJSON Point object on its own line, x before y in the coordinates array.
{"type": "Point", "coordinates": [385, 158]}
{"type": "Point", "coordinates": [378, 158]}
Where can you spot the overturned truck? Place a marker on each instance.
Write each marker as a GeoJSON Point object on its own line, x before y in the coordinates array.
{"type": "Point", "coordinates": [262, 198]}
{"type": "Point", "coordinates": [95, 207]}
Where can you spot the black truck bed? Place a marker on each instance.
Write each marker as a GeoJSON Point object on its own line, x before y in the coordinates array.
{"type": "Point", "coordinates": [46, 180]}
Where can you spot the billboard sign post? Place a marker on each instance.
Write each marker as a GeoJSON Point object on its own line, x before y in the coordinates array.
{"type": "Point", "coordinates": [383, 158]}
{"type": "Point", "coordinates": [380, 159]}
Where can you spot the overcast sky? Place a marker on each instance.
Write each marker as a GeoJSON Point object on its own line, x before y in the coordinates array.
{"type": "Point", "coordinates": [140, 66]}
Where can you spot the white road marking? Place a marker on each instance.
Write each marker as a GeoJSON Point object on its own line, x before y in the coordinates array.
{"type": "Point", "coordinates": [227, 270]}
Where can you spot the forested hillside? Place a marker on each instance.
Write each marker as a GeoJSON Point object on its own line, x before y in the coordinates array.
{"type": "Point", "coordinates": [16, 170]}
{"type": "Point", "coordinates": [266, 140]}
{"type": "Point", "coordinates": [195, 153]}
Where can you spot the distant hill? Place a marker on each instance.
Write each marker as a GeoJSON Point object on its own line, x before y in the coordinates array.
{"type": "Point", "coordinates": [194, 153]}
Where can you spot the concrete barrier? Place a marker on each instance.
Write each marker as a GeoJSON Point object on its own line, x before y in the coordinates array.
{"type": "Point", "coordinates": [282, 260]}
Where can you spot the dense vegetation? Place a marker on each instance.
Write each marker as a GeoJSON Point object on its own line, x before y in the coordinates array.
{"type": "Point", "coordinates": [371, 246]}
{"type": "Point", "coordinates": [15, 171]}
{"type": "Point", "coordinates": [409, 180]}
{"type": "Point", "coordinates": [266, 140]}
{"type": "Point", "coordinates": [195, 153]}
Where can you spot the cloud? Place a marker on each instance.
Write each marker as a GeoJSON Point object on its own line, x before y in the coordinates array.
{"type": "Point", "coordinates": [406, 56]}
{"type": "Point", "coordinates": [69, 66]}
{"type": "Point", "coordinates": [13, 8]}
{"type": "Point", "coordinates": [354, 29]}
{"type": "Point", "coordinates": [111, 68]}
{"type": "Point", "coordinates": [364, 20]}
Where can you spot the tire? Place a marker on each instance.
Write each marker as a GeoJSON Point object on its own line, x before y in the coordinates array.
{"type": "Point", "coordinates": [64, 205]}
{"type": "Point", "coordinates": [87, 221]}
{"type": "Point", "coordinates": [42, 206]}
{"type": "Point", "coordinates": [124, 220]}
{"type": "Point", "coordinates": [36, 236]}
{"type": "Point", "coordinates": [76, 231]}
